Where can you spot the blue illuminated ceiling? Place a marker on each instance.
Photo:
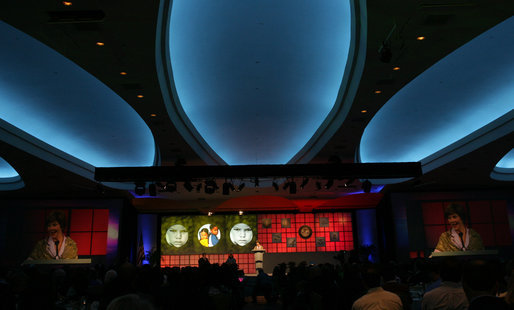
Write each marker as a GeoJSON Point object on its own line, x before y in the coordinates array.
{"type": "Point", "coordinates": [254, 81]}
{"type": "Point", "coordinates": [448, 106]}
{"type": "Point", "coordinates": [59, 105]}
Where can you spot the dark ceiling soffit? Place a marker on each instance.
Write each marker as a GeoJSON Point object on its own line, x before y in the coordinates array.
{"type": "Point", "coordinates": [185, 173]}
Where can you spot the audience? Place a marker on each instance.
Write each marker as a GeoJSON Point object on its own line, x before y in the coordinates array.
{"type": "Point", "coordinates": [349, 285]}
{"type": "Point", "coordinates": [449, 295]}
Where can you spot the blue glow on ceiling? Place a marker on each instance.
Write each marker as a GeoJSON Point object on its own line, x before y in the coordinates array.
{"type": "Point", "coordinates": [507, 161]}
{"type": "Point", "coordinates": [53, 99]}
{"type": "Point", "coordinates": [6, 170]}
{"type": "Point", "coordinates": [257, 79]}
{"type": "Point", "coordinates": [460, 94]}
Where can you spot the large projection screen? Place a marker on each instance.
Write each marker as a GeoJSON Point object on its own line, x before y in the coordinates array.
{"type": "Point", "coordinates": [186, 234]}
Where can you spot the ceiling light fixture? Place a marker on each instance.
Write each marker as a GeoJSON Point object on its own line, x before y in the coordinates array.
{"type": "Point", "coordinates": [152, 189]}
{"type": "Point", "coordinates": [153, 115]}
{"type": "Point", "coordinates": [396, 68]}
{"type": "Point", "coordinates": [123, 73]}
{"type": "Point", "coordinates": [140, 96]}
{"type": "Point", "coordinates": [366, 186]}
{"type": "Point", "coordinates": [210, 187]}
{"type": "Point", "coordinates": [100, 43]}
{"type": "Point", "coordinates": [329, 184]}
{"type": "Point", "coordinates": [188, 186]}
{"type": "Point", "coordinates": [67, 3]}
{"type": "Point", "coordinates": [420, 38]}
{"type": "Point", "coordinates": [139, 188]}
{"type": "Point", "coordinates": [364, 111]}
{"type": "Point", "coordinates": [378, 91]}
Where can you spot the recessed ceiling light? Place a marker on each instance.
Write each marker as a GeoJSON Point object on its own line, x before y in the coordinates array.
{"type": "Point", "coordinates": [67, 3]}
{"type": "Point", "coordinates": [140, 96]}
{"type": "Point", "coordinates": [153, 115]}
{"type": "Point", "coordinates": [364, 111]}
{"type": "Point", "coordinates": [123, 73]}
{"type": "Point", "coordinates": [100, 43]}
{"type": "Point", "coordinates": [420, 38]}
{"type": "Point", "coordinates": [378, 91]}
{"type": "Point", "coordinates": [396, 68]}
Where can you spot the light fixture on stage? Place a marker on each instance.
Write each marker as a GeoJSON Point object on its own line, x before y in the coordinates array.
{"type": "Point", "coordinates": [349, 182]}
{"type": "Point", "coordinates": [227, 187]}
{"type": "Point", "coordinates": [152, 189]}
{"type": "Point", "coordinates": [329, 184]}
{"type": "Point", "coordinates": [366, 186]}
{"type": "Point", "coordinates": [240, 187]}
{"type": "Point", "coordinates": [292, 187]}
{"type": "Point", "coordinates": [241, 212]}
{"type": "Point", "coordinates": [209, 213]}
{"type": "Point", "coordinates": [210, 187]}
{"type": "Point", "coordinates": [188, 186]}
{"type": "Point", "coordinates": [318, 185]}
{"type": "Point", "coordinates": [275, 186]}
{"type": "Point", "coordinates": [171, 187]}
{"type": "Point", "coordinates": [304, 182]}
{"type": "Point", "coordinates": [140, 188]}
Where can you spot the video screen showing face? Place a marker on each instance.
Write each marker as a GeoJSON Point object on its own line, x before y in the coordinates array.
{"type": "Point", "coordinates": [208, 234]}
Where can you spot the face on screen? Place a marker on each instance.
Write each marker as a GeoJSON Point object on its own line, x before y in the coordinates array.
{"type": "Point", "coordinates": [177, 235]}
{"type": "Point", "coordinates": [241, 234]}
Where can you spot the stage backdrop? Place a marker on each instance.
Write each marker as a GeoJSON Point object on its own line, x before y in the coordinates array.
{"type": "Point", "coordinates": [208, 234]}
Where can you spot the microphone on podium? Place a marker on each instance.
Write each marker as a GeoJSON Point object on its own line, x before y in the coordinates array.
{"type": "Point", "coordinates": [462, 240]}
{"type": "Point", "coordinates": [56, 249]}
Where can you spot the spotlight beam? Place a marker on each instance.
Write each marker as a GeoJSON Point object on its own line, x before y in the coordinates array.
{"type": "Point", "coordinates": [183, 173]}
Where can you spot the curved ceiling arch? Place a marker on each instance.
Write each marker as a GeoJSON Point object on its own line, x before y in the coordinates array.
{"type": "Point", "coordinates": [257, 84]}
{"type": "Point", "coordinates": [52, 100]}
{"type": "Point", "coordinates": [462, 102]}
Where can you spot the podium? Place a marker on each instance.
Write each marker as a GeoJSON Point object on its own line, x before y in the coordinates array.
{"type": "Point", "coordinates": [79, 261]}
{"type": "Point", "coordinates": [483, 253]}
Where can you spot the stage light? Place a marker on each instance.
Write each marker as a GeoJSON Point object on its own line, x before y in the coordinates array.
{"type": "Point", "coordinates": [209, 213]}
{"type": "Point", "coordinates": [152, 189]}
{"type": "Point", "coordinates": [292, 187]}
{"type": "Point", "coordinates": [241, 212]}
{"type": "Point", "coordinates": [171, 187]}
{"type": "Point", "coordinates": [366, 186]}
{"type": "Point", "coordinates": [318, 185]}
{"type": "Point", "coordinates": [275, 186]}
{"type": "Point", "coordinates": [188, 186]}
{"type": "Point", "coordinates": [210, 187]}
{"type": "Point", "coordinates": [329, 184]}
{"type": "Point", "coordinates": [304, 182]}
{"type": "Point", "coordinates": [140, 189]}
{"type": "Point", "coordinates": [227, 187]}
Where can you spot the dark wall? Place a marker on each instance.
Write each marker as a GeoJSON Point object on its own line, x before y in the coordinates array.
{"type": "Point", "coordinates": [273, 259]}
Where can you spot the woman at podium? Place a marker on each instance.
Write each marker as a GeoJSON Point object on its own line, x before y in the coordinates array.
{"type": "Point", "coordinates": [56, 245]}
{"type": "Point", "coordinates": [459, 237]}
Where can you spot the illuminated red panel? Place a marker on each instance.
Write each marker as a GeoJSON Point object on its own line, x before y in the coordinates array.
{"type": "Point", "coordinates": [486, 232]}
{"type": "Point", "coordinates": [81, 219]}
{"type": "Point", "coordinates": [432, 234]}
{"type": "Point", "coordinates": [499, 208]}
{"type": "Point", "coordinates": [100, 219]}
{"type": "Point", "coordinates": [433, 213]}
{"type": "Point", "coordinates": [99, 246]}
{"type": "Point", "coordinates": [83, 240]}
{"type": "Point", "coordinates": [479, 212]}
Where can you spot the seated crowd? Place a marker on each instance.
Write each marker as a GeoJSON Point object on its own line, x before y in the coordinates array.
{"type": "Point", "coordinates": [444, 284]}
